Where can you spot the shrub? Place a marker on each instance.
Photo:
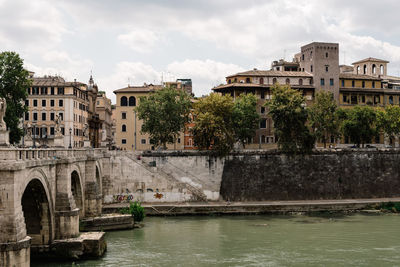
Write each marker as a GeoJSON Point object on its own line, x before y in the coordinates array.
{"type": "Point", "coordinates": [135, 209]}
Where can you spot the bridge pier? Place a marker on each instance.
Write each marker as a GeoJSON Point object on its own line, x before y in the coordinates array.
{"type": "Point", "coordinates": [93, 196]}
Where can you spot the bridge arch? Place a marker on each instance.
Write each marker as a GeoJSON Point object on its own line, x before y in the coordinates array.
{"type": "Point", "coordinates": [37, 208]}
{"type": "Point", "coordinates": [77, 189]}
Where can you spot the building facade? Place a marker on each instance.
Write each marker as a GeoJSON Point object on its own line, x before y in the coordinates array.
{"type": "Point", "coordinates": [50, 98]}
{"type": "Point", "coordinates": [259, 83]}
{"type": "Point", "coordinates": [128, 135]}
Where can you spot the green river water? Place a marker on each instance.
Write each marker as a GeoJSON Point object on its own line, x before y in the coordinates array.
{"type": "Point", "coordinates": [321, 240]}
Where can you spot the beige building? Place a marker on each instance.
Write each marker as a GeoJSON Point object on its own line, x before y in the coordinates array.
{"type": "Point", "coordinates": [103, 109]}
{"type": "Point", "coordinates": [50, 97]}
{"type": "Point", "coordinates": [128, 135]}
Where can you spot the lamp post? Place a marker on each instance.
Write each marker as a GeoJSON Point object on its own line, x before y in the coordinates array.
{"type": "Point", "coordinates": [70, 133]}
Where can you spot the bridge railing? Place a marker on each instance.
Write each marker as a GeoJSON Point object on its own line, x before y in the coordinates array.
{"type": "Point", "coordinates": [23, 154]}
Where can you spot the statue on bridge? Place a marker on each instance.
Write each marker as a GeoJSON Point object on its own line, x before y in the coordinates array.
{"type": "Point", "coordinates": [57, 128]}
{"type": "Point", "coordinates": [3, 108]}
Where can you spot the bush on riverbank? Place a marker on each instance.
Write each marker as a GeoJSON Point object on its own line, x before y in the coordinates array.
{"type": "Point", "coordinates": [390, 207]}
{"type": "Point", "coordinates": [136, 210]}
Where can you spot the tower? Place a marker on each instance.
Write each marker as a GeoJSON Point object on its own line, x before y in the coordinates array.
{"type": "Point", "coordinates": [322, 61]}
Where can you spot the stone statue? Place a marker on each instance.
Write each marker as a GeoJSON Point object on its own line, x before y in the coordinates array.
{"type": "Point", "coordinates": [57, 128]}
{"type": "Point", "coordinates": [85, 131]}
{"type": "Point", "coordinates": [3, 108]}
{"type": "Point", "coordinates": [28, 136]}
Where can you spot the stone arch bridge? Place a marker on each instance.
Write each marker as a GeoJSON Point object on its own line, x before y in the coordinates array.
{"type": "Point", "coordinates": [43, 193]}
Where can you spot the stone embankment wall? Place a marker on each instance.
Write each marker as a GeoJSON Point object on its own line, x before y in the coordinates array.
{"type": "Point", "coordinates": [322, 175]}
{"type": "Point", "coordinates": [252, 176]}
{"type": "Point", "coordinates": [162, 177]}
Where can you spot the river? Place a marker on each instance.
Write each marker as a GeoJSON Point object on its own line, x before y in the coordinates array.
{"type": "Point", "coordinates": [321, 240]}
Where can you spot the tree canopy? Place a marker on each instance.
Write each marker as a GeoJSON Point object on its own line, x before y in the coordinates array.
{"type": "Point", "coordinates": [287, 109]}
{"type": "Point", "coordinates": [359, 124]}
{"type": "Point", "coordinates": [213, 123]}
{"type": "Point", "coordinates": [245, 117]}
{"type": "Point", "coordinates": [388, 120]}
{"type": "Point", "coordinates": [14, 82]}
{"type": "Point", "coordinates": [164, 114]}
{"type": "Point", "coordinates": [323, 117]}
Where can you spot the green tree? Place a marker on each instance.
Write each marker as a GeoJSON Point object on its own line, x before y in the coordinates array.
{"type": "Point", "coordinates": [388, 120]}
{"type": "Point", "coordinates": [245, 117]}
{"type": "Point", "coordinates": [323, 118]}
{"type": "Point", "coordinates": [14, 82]}
{"type": "Point", "coordinates": [287, 109]}
{"type": "Point", "coordinates": [359, 124]}
{"type": "Point", "coordinates": [164, 114]}
{"type": "Point", "coordinates": [213, 123]}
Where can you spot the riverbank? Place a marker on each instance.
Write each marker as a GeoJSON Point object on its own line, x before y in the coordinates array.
{"type": "Point", "coordinates": [264, 207]}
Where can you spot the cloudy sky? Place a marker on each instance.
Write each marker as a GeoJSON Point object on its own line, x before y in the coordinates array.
{"type": "Point", "coordinates": [128, 41]}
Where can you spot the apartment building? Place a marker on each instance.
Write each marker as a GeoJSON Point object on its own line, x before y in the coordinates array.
{"type": "Point", "coordinates": [128, 135]}
{"type": "Point", "coordinates": [103, 109]}
{"type": "Point", "coordinates": [51, 97]}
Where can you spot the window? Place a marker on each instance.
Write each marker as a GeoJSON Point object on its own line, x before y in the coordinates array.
{"type": "Point", "coordinates": [123, 141]}
{"type": "Point", "coordinates": [52, 103]}
{"type": "Point", "coordinates": [27, 116]}
{"type": "Point", "coordinates": [331, 82]}
{"type": "Point", "coordinates": [322, 81]}
{"type": "Point", "coordinates": [51, 130]}
{"type": "Point", "coordinates": [377, 99]}
{"type": "Point", "coordinates": [62, 130]}
{"type": "Point", "coordinates": [382, 70]}
{"type": "Point", "coordinates": [229, 81]}
{"type": "Point", "coordinates": [132, 101]}
{"type": "Point", "coordinates": [363, 98]}
{"type": "Point", "coordinates": [274, 81]}
{"type": "Point", "coordinates": [261, 80]}
{"type": "Point", "coordinates": [353, 99]}
{"type": "Point", "coordinates": [35, 103]}
{"type": "Point", "coordinates": [373, 69]}
{"type": "Point", "coordinates": [300, 81]}
{"type": "Point", "coordinates": [98, 102]}
{"type": "Point", "coordinates": [262, 94]}
{"type": "Point", "coordinates": [124, 101]}
{"type": "Point", "coordinates": [61, 116]}
{"type": "Point", "coordinates": [352, 83]}
{"type": "Point", "coordinates": [123, 128]}
{"type": "Point", "coordinates": [60, 90]}
{"type": "Point", "coordinates": [342, 83]}
{"type": "Point", "coordinates": [391, 100]}
{"type": "Point", "coordinates": [302, 57]}
{"type": "Point", "coordinates": [311, 68]}
{"type": "Point", "coordinates": [326, 54]}
{"type": "Point", "coordinates": [52, 116]}
{"type": "Point", "coordinates": [28, 91]}
{"type": "Point", "coordinates": [247, 80]}
{"type": "Point", "coordinates": [123, 115]}
{"type": "Point", "coordinates": [263, 124]}
{"type": "Point", "coordinates": [179, 140]}
{"type": "Point", "coordinates": [326, 68]}
{"type": "Point", "coordinates": [365, 69]}
{"type": "Point", "coordinates": [52, 90]}
{"type": "Point", "coordinates": [27, 103]}
{"type": "Point", "coordinates": [60, 103]}
{"type": "Point", "coordinates": [43, 116]}
{"type": "Point", "coordinates": [262, 110]}
{"type": "Point", "coordinates": [143, 141]}
{"type": "Point", "coordinates": [35, 116]}
{"type": "Point", "coordinates": [287, 81]}
{"type": "Point", "coordinates": [43, 102]}
{"type": "Point", "coordinates": [345, 99]}
{"type": "Point", "coordinates": [363, 84]}
{"type": "Point", "coordinates": [373, 84]}
{"type": "Point", "coordinates": [43, 90]}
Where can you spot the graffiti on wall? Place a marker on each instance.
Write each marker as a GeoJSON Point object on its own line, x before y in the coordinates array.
{"type": "Point", "coordinates": [158, 195]}
{"type": "Point", "coordinates": [123, 197]}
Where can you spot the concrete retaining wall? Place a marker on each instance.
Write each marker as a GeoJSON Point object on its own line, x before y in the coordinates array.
{"type": "Point", "coordinates": [252, 176]}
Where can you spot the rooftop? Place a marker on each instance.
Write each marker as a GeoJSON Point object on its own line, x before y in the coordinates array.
{"type": "Point", "coordinates": [358, 76]}
{"type": "Point", "coordinates": [139, 89]}
{"type": "Point", "coordinates": [272, 73]}
{"type": "Point", "coordinates": [371, 59]}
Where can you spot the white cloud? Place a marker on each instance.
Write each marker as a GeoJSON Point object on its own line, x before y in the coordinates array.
{"type": "Point", "coordinates": [205, 74]}
{"type": "Point", "coordinates": [140, 40]}
{"type": "Point", "coordinates": [62, 64]}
